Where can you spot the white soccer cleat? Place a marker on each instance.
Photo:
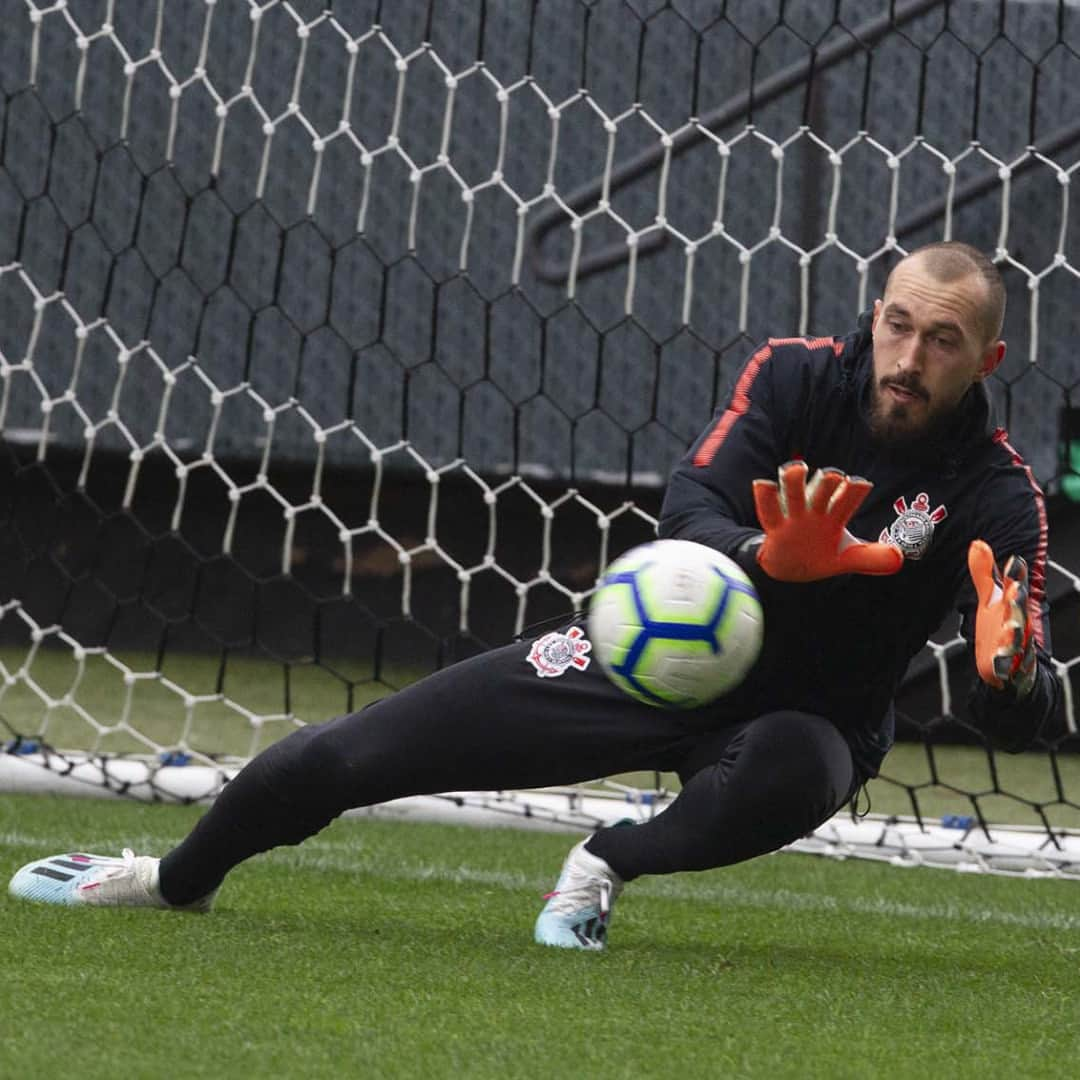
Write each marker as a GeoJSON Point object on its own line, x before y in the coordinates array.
{"type": "Point", "coordinates": [97, 881]}
{"type": "Point", "coordinates": [578, 909]}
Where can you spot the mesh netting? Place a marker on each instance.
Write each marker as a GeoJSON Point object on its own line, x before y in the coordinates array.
{"type": "Point", "coordinates": [339, 343]}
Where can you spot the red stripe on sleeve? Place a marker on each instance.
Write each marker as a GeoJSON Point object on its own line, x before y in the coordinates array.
{"type": "Point", "coordinates": [740, 402]}
{"type": "Point", "coordinates": [1037, 571]}
{"type": "Point", "coordinates": [811, 343]}
{"type": "Point", "coordinates": [740, 399]}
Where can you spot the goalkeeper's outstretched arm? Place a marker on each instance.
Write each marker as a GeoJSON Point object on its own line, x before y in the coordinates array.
{"type": "Point", "coordinates": [1005, 618]}
{"type": "Point", "coordinates": [792, 528]}
{"type": "Point", "coordinates": [709, 497]}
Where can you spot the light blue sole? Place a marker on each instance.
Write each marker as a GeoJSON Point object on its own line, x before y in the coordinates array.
{"type": "Point", "coordinates": [585, 931]}
{"type": "Point", "coordinates": [56, 880]}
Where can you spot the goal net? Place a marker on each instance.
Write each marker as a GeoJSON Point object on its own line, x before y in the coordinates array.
{"type": "Point", "coordinates": [341, 342]}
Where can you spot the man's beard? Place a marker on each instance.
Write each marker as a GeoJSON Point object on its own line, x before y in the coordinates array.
{"type": "Point", "coordinates": [890, 421]}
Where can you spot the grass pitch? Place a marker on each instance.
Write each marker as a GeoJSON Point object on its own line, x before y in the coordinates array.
{"type": "Point", "coordinates": [397, 950]}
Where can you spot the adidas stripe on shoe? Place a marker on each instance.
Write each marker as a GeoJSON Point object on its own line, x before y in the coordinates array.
{"type": "Point", "coordinates": [97, 881]}
{"type": "Point", "coordinates": [578, 910]}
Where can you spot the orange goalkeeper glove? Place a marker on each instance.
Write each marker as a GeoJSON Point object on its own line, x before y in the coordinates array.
{"type": "Point", "coordinates": [1004, 642]}
{"type": "Point", "coordinates": [806, 535]}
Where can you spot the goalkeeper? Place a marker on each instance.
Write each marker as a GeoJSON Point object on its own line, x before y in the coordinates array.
{"type": "Point", "coordinates": [860, 482]}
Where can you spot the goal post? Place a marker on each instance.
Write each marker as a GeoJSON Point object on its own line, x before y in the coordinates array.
{"type": "Point", "coordinates": [342, 341]}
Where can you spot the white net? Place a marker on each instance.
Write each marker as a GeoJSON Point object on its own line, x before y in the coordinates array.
{"type": "Point", "coordinates": [338, 343]}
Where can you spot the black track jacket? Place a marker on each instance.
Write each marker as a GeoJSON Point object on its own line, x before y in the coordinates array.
{"type": "Point", "coordinates": [840, 647]}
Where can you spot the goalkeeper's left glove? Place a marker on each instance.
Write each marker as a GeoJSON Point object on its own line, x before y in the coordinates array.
{"type": "Point", "coordinates": [1004, 642]}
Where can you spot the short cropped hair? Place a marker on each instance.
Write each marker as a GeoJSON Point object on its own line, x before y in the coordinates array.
{"type": "Point", "coordinates": [950, 260]}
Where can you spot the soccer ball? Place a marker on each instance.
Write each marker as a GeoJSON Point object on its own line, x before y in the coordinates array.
{"type": "Point", "coordinates": [675, 624]}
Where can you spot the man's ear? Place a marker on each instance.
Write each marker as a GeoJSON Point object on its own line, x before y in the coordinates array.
{"type": "Point", "coordinates": [991, 359]}
{"type": "Point", "coordinates": [877, 315]}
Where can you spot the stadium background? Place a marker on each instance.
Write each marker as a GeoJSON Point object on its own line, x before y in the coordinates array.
{"type": "Point", "coordinates": [288, 345]}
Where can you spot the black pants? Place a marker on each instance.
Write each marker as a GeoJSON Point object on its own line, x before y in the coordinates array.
{"type": "Point", "coordinates": [750, 783]}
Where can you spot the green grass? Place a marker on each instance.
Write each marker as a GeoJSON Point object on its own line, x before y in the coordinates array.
{"type": "Point", "coordinates": [392, 950]}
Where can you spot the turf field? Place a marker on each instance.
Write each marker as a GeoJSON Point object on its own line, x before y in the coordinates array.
{"type": "Point", "coordinates": [391, 950]}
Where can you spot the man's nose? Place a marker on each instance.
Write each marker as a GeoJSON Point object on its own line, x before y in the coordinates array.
{"type": "Point", "coordinates": [910, 357]}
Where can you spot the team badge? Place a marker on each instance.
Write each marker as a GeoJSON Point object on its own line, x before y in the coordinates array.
{"type": "Point", "coordinates": [553, 653]}
{"type": "Point", "coordinates": [913, 528]}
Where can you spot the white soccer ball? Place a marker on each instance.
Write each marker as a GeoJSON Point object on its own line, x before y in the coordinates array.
{"type": "Point", "coordinates": [675, 624]}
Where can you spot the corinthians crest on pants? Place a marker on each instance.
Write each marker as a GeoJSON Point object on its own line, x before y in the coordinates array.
{"type": "Point", "coordinates": [913, 528]}
{"type": "Point", "coordinates": [553, 653]}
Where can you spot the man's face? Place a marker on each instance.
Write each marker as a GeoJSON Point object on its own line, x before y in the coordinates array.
{"type": "Point", "coordinates": [929, 348]}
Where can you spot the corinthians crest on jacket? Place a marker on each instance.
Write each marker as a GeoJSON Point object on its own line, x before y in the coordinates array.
{"type": "Point", "coordinates": [913, 528]}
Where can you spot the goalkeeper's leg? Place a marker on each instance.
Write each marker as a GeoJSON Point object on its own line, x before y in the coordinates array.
{"type": "Point", "coordinates": [747, 790]}
{"type": "Point", "coordinates": [489, 723]}
{"type": "Point", "coordinates": [492, 723]}
{"type": "Point", "coordinates": [503, 720]}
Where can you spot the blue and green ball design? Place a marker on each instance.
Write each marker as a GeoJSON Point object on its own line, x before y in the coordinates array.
{"type": "Point", "coordinates": [675, 624]}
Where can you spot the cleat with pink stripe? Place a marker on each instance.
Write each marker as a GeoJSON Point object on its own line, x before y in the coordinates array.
{"type": "Point", "coordinates": [578, 911]}
{"type": "Point", "coordinates": [96, 881]}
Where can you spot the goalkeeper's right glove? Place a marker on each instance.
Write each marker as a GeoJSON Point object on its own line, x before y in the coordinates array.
{"type": "Point", "coordinates": [806, 534]}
